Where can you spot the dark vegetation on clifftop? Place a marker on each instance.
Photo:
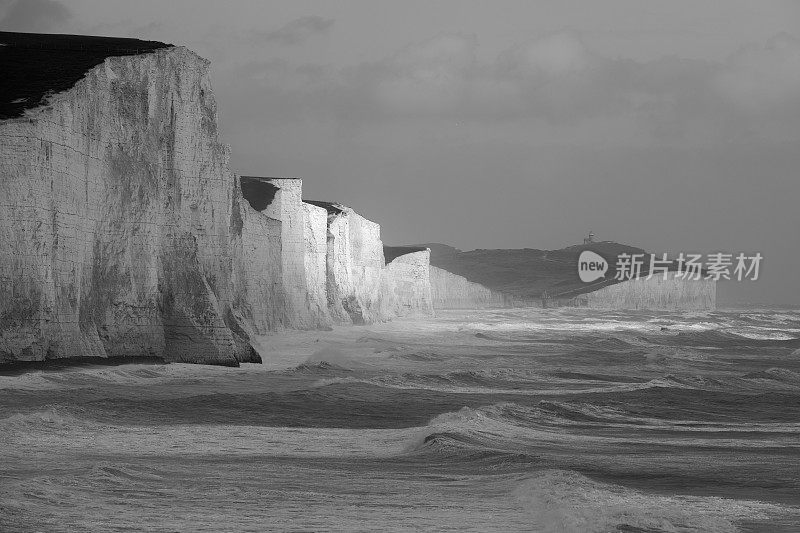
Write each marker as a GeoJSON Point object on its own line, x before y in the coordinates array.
{"type": "Point", "coordinates": [35, 65]}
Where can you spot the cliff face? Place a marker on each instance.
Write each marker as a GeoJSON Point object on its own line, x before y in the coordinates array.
{"type": "Point", "coordinates": [302, 241]}
{"type": "Point", "coordinates": [116, 216]}
{"type": "Point", "coordinates": [258, 297]}
{"type": "Point", "coordinates": [654, 294]}
{"type": "Point", "coordinates": [360, 287]}
{"type": "Point", "coordinates": [315, 241]}
{"type": "Point", "coordinates": [331, 262]}
{"type": "Point", "coordinates": [354, 265]}
{"type": "Point", "coordinates": [407, 284]}
{"type": "Point", "coordinates": [450, 291]}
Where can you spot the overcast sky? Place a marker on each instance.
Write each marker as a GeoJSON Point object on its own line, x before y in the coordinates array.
{"type": "Point", "coordinates": [671, 125]}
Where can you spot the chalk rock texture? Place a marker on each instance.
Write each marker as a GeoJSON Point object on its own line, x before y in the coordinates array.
{"type": "Point", "coordinates": [256, 275]}
{"type": "Point", "coordinates": [332, 262]}
{"type": "Point", "coordinates": [354, 266]}
{"type": "Point", "coordinates": [655, 293]}
{"type": "Point", "coordinates": [451, 291]}
{"type": "Point", "coordinates": [315, 241]}
{"type": "Point", "coordinates": [116, 219]}
{"type": "Point", "coordinates": [360, 287]}
{"type": "Point", "coordinates": [302, 240]}
{"type": "Point", "coordinates": [407, 284]}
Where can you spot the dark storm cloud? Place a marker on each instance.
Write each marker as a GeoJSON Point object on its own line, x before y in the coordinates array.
{"type": "Point", "coordinates": [297, 31]}
{"type": "Point", "coordinates": [32, 15]}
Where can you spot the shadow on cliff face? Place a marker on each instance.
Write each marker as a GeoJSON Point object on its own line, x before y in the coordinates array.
{"type": "Point", "coordinates": [390, 253]}
{"type": "Point", "coordinates": [258, 192]}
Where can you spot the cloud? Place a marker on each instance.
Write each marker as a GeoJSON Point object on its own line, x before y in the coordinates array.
{"type": "Point", "coordinates": [556, 80]}
{"type": "Point", "coordinates": [556, 55]}
{"type": "Point", "coordinates": [433, 76]}
{"type": "Point", "coordinates": [297, 31]}
{"type": "Point", "coordinates": [762, 77]}
{"type": "Point", "coordinates": [127, 28]}
{"type": "Point", "coordinates": [33, 15]}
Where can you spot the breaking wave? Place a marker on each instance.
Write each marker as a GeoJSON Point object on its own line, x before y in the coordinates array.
{"type": "Point", "coordinates": [561, 500]}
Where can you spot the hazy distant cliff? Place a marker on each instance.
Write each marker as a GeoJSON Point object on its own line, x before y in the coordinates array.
{"type": "Point", "coordinates": [654, 293]}
{"type": "Point", "coordinates": [451, 291]}
{"type": "Point", "coordinates": [529, 277]}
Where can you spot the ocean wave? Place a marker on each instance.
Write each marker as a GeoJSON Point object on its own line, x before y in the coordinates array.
{"type": "Point", "coordinates": [53, 417]}
{"type": "Point", "coordinates": [770, 318]}
{"type": "Point", "coordinates": [127, 476]}
{"type": "Point", "coordinates": [509, 430]}
{"type": "Point", "coordinates": [766, 334]}
{"type": "Point", "coordinates": [421, 356]}
{"type": "Point", "coordinates": [567, 501]}
{"type": "Point", "coordinates": [730, 338]}
{"type": "Point", "coordinates": [100, 375]}
{"type": "Point", "coordinates": [694, 382]}
{"type": "Point", "coordinates": [33, 380]}
{"type": "Point", "coordinates": [479, 383]}
{"type": "Point", "coordinates": [773, 379]}
{"type": "Point", "coordinates": [561, 325]}
{"type": "Point", "coordinates": [775, 374]}
{"type": "Point", "coordinates": [316, 368]}
{"type": "Point", "coordinates": [504, 429]}
{"type": "Point", "coordinates": [708, 329]}
{"type": "Point", "coordinates": [545, 413]}
{"type": "Point", "coordinates": [530, 383]}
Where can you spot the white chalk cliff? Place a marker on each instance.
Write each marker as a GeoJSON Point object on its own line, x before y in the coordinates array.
{"type": "Point", "coordinates": [361, 288]}
{"type": "Point", "coordinates": [116, 216]}
{"type": "Point", "coordinates": [124, 233]}
{"type": "Point", "coordinates": [451, 291]}
{"type": "Point", "coordinates": [407, 280]}
{"type": "Point", "coordinates": [656, 293]}
{"type": "Point", "coordinates": [302, 254]}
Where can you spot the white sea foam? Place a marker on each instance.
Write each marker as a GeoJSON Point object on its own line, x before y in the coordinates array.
{"type": "Point", "coordinates": [767, 334]}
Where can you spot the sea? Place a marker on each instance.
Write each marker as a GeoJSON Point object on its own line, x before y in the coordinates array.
{"type": "Point", "coordinates": [549, 420]}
